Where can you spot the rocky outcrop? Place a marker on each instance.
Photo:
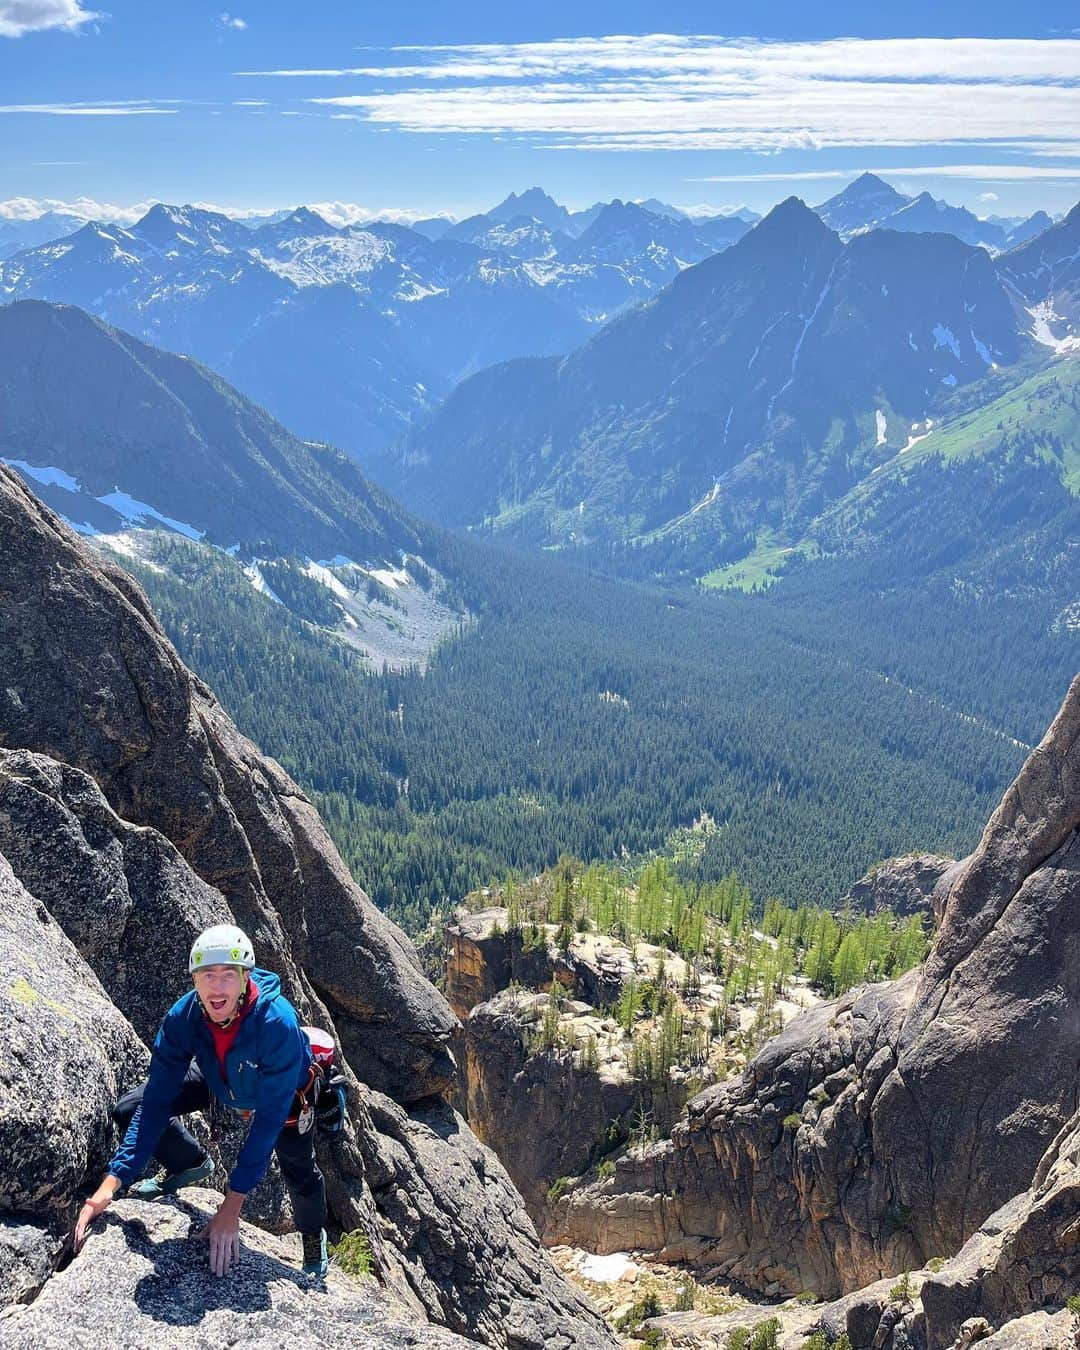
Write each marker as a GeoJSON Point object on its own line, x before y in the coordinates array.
{"type": "Point", "coordinates": [879, 1131]}
{"type": "Point", "coordinates": [143, 1281]}
{"type": "Point", "coordinates": [484, 956]}
{"type": "Point", "coordinates": [133, 812]}
{"type": "Point", "coordinates": [469, 1249]}
{"type": "Point", "coordinates": [899, 886]}
{"type": "Point", "coordinates": [541, 1112]}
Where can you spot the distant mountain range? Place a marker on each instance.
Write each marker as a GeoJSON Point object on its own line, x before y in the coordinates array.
{"type": "Point", "coordinates": [753, 391]}
{"type": "Point", "coordinates": [351, 334]}
{"type": "Point", "coordinates": [716, 420]}
{"type": "Point", "coordinates": [869, 203]}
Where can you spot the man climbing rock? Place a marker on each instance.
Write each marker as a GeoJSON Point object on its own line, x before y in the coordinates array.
{"type": "Point", "coordinates": [234, 1039]}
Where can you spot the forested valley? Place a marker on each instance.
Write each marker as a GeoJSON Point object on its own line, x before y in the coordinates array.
{"type": "Point", "coordinates": [816, 729]}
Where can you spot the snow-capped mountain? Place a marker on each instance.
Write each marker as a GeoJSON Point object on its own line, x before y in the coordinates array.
{"type": "Point", "coordinates": [862, 205]}
{"type": "Point", "coordinates": [350, 332]}
{"type": "Point", "coordinates": [760, 384]}
{"type": "Point", "coordinates": [869, 203]}
{"type": "Point", "coordinates": [17, 233]}
{"type": "Point", "coordinates": [1043, 276]}
{"type": "Point", "coordinates": [928, 215]}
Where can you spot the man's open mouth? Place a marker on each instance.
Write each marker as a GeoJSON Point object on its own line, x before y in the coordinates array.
{"type": "Point", "coordinates": [218, 1004]}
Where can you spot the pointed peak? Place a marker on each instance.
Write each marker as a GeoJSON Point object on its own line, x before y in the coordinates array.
{"type": "Point", "coordinates": [790, 223]}
{"type": "Point", "coordinates": [868, 180]}
{"type": "Point", "coordinates": [791, 211]}
{"type": "Point", "coordinates": [306, 218]}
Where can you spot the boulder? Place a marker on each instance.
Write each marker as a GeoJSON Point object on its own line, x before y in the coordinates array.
{"type": "Point", "coordinates": [920, 1106]}
{"type": "Point", "coordinates": [143, 1281]}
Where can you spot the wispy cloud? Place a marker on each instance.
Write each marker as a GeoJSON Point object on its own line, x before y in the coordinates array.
{"type": "Point", "coordinates": [120, 108]}
{"type": "Point", "coordinates": [232, 21]}
{"type": "Point", "coordinates": [33, 16]}
{"type": "Point", "coordinates": [667, 92]}
{"type": "Point", "coordinates": [986, 173]}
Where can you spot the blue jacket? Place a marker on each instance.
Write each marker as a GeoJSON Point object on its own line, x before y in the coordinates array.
{"type": "Point", "coordinates": [267, 1063]}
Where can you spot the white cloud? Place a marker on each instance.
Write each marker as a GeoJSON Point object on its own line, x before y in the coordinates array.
{"type": "Point", "coordinates": [32, 16]}
{"type": "Point", "coordinates": [29, 208]}
{"type": "Point", "coordinates": [987, 173]}
{"type": "Point", "coordinates": [988, 196]}
{"type": "Point", "coordinates": [665, 92]}
{"type": "Point", "coordinates": [334, 213]}
{"type": "Point", "coordinates": [120, 108]}
{"type": "Point", "coordinates": [232, 21]}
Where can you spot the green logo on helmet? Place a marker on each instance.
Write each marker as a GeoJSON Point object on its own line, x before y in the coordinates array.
{"type": "Point", "coordinates": [235, 953]}
{"type": "Point", "coordinates": [198, 957]}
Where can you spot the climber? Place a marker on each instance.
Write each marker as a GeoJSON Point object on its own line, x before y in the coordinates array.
{"type": "Point", "coordinates": [235, 1040]}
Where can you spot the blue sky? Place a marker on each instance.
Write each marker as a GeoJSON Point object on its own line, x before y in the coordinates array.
{"type": "Point", "coordinates": [128, 101]}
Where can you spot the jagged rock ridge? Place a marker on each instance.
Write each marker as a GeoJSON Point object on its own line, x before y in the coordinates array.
{"type": "Point", "coordinates": [126, 791]}
{"type": "Point", "coordinates": [879, 1131]}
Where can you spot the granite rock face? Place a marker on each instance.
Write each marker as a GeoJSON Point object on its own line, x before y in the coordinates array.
{"type": "Point", "coordinates": [123, 894]}
{"type": "Point", "coordinates": [880, 1130]}
{"type": "Point", "coordinates": [132, 813]}
{"type": "Point", "coordinates": [481, 1268]}
{"type": "Point", "coordinates": [143, 1281]}
{"type": "Point", "coordinates": [901, 885]}
{"type": "Point", "coordinates": [88, 678]}
{"type": "Point", "coordinates": [68, 1053]}
{"type": "Point", "coordinates": [541, 1113]}
{"type": "Point", "coordinates": [1024, 1258]}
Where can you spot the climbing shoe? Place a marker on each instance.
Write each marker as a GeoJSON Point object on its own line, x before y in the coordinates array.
{"type": "Point", "coordinates": [153, 1187]}
{"type": "Point", "coordinates": [315, 1262]}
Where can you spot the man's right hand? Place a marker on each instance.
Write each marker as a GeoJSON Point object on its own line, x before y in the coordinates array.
{"type": "Point", "coordinates": [97, 1204]}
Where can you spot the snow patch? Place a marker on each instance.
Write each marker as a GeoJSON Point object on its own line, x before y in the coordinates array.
{"type": "Point", "coordinates": [258, 581]}
{"type": "Point", "coordinates": [606, 1269]}
{"type": "Point", "coordinates": [918, 435]}
{"type": "Point", "coordinates": [390, 576]}
{"type": "Point", "coordinates": [47, 475]}
{"type": "Point", "coordinates": [882, 427]}
{"type": "Point", "coordinates": [1043, 316]}
{"type": "Point", "coordinates": [945, 337]}
{"type": "Point", "coordinates": [326, 578]}
{"type": "Point", "coordinates": [950, 380]}
{"type": "Point", "coordinates": [132, 509]}
{"type": "Point", "coordinates": [709, 497]}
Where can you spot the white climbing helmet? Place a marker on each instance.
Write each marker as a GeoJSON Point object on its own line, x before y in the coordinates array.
{"type": "Point", "coordinates": [222, 945]}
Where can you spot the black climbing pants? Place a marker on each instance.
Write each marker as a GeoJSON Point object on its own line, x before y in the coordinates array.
{"type": "Point", "coordinates": [178, 1149]}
